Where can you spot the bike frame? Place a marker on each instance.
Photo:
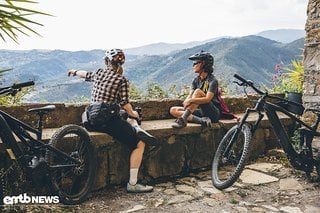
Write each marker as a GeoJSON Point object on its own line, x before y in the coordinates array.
{"type": "Point", "coordinates": [11, 126]}
{"type": "Point", "coordinates": [299, 161]}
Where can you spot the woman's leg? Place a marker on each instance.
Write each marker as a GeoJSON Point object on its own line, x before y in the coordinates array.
{"type": "Point", "coordinates": [185, 115]}
{"type": "Point", "coordinates": [135, 162]}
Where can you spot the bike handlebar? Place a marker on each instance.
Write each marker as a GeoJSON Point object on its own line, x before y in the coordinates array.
{"type": "Point", "coordinates": [15, 88]}
{"type": "Point", "coordinates": [248, 83]}
{"type": "Point", "coordinates": [21, 85]}
{"type": "Point", "coordinates": [251, 84]}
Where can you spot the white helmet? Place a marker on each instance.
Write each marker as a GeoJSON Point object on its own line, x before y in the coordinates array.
{"type": "Point", "coordinates": [112, 54]}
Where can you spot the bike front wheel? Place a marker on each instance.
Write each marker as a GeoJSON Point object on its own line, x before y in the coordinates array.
{"type": "Point", "coordinates": [230, 157]}
{"type": "Point", "coordinates": [72, 181]}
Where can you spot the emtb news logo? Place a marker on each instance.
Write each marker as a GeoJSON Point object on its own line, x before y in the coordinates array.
{"type": "Point", "coordinates": [25, 199]}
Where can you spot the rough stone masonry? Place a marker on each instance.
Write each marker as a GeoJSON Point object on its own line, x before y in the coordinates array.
{"type": "Point", "coordinates": [311, 84]}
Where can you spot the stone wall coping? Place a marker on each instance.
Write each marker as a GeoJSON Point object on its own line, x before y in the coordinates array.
{"type": "Point", "coordinates": [162, 128]}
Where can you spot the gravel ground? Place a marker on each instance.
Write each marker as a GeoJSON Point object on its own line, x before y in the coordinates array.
{"type": "Point", "coordinates": [195, 193]}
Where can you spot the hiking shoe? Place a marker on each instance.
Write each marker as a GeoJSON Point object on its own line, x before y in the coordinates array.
{"type": "Point", "coordinates": [179, 123]}
{"type": "Point", "coordinates": [146, 137]}
{"type": "Point", "coordinates": [138, 188]}
{"type": "Point", "coordinates": [206, 122]}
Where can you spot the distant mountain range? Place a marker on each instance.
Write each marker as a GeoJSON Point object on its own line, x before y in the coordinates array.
{"type": "Point", "coordinates": [280, 35]}
{"type": "Point", "coordinates": [253, 57]}
{"type": "Point", "coordinates": [283, 35]}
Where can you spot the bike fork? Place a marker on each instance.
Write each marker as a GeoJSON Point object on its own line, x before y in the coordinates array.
{"type": "Point", "coordinates": [242, 122]}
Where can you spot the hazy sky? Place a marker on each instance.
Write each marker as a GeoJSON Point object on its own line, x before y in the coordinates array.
{"type": "Point", "coordinates": [103, 24]}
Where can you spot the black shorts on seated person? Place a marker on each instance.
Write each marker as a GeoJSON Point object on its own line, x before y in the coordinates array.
{"type": "Point", "coordinates": [120, 130]}
{"type": "Point", "coordinates": [208, 110]}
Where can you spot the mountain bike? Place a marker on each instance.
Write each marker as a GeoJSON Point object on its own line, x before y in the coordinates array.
{"type": "Point", "coordinates": [66, 165]}
{"type": "Point", "coordinates": [233, 150]}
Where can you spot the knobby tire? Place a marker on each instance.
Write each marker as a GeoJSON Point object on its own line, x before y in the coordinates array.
{"type": "Point", "coordinates": [72, 184]}
{"type": "Point", "coordinates": [227, 169]}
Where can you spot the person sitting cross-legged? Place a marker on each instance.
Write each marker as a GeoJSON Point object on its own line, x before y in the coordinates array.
{"type": "Point", "coordinates": [202, 105]}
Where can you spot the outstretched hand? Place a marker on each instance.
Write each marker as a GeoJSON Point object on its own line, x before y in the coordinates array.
{"type": "Point", "coordinates": [72, 72]}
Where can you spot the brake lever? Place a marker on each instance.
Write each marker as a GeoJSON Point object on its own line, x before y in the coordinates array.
{"type": "Point", "coordinates": [13, 92]}
{"type": "Point", "coordinates": [240, 84]}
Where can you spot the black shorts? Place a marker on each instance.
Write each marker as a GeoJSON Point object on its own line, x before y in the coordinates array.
{"type": "Point", "coordinates": [208, 110]}
{"type": "Point", "coordinates": [121, 130]}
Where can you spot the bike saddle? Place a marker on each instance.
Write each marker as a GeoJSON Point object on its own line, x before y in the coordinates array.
{"type": "Point", "coordinates": [44, 109]}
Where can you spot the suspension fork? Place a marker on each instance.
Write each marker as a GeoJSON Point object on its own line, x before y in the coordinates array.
{"type": "Point", "coordinates": [238, 130]}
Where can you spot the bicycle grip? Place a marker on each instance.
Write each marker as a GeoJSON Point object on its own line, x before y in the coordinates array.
{"type": "Point", "coordinates": [240, 78]}
{"type": "Point", "coordinates": [24, 84]}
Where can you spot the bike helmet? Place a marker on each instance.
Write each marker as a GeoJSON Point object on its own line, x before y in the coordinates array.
{"type": "Point", "coordinates": [112, 54]}
{"type": "Point", "coordinates": [206, 58]}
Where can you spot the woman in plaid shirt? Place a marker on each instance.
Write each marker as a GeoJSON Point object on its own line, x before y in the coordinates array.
{"type": "Point", "coordinates": [111, 87]}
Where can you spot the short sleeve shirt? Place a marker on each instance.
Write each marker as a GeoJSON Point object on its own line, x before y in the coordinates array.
{"type": "Point", "coordinates": [108, 87]}
{"type": "Point", "coordinates": [209, 84]}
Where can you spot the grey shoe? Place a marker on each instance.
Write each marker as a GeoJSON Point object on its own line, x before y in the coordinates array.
{"type": "Point", "coordinates": [206, 122]}
{"type": "Point", "coordinates": [138, 188]}
{"type": "Point", "coordinates": [179, 123]}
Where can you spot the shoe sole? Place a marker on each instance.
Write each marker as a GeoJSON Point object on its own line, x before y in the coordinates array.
{"type": "Point", "coordinates": [129, 191]}
{"type": "Point", "coordinates": [178, 127]}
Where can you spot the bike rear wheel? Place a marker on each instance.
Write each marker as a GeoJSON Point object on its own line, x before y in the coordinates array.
{"type": "Point", "coordinates": [230, 157]}
{"type": "Point", "coordinates": [72, 184]}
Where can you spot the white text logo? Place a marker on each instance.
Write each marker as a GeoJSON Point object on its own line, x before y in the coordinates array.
{"type": "Point", "coordinates": [25, 199]}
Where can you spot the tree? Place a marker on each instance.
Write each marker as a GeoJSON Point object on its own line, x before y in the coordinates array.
{"type": "Point", "coordinates": [14, 19]}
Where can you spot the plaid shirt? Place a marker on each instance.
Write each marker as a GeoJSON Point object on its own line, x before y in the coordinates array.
{"type": "Point", "coordinates": [109, 87]}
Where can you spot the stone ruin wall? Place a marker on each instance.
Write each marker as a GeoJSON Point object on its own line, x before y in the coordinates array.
{"type": "Point", "coordinates": [311, 84]}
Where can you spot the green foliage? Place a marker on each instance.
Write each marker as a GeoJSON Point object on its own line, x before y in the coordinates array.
{"type": "Point", "coordinates": [14, 19]}
{"type": "Point", "coordinates": [294, 78]}
{"type": "Point", "coordinates": [6, 70]}
{"type": "Point", "coordinates": [182, 94]}
{"type": "Point", "coordinates": [154, 90]}
{"type": "Point", "coordinates": [79, 99]}
{"type": "Point", "coordinates": [16, 99]}
{"type": "Point", "coordinates": [224, 86]}
{"type": "Point", "coordinates": [135, 93]}
{"type": "Point", "coordinates": [288, 79]}
{"type": "Point", "coordinates": [9, 100]}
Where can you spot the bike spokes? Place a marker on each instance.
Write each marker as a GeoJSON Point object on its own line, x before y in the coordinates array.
{"type": "Point", "coordinates": [230, 157]}
{"type": "Point", "coordinates": [73, 178]}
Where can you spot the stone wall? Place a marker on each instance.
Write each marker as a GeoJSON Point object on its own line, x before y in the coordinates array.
{"type": "Point", "coordinates": [71, 113]}
{"type": "Point", "coordinates": [311, 85]}
{"type": "Point", "coordinates": [183, 150]}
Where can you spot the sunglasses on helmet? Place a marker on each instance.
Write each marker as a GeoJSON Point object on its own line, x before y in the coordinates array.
{"type": "Point", "coordinates": [196, 62]}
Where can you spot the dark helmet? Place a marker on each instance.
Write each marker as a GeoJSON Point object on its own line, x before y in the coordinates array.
{"type": "Point", "coordinates": [206, 57]}
{"type": "Point", "coordinates": [111, 56]}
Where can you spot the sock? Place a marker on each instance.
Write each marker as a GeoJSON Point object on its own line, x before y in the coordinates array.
{"type": "Point", "coordinates": [186, 114]}
{"type": "Point", "coordinates": [196, 119]}
{"type": "Point", "coordinates": [133, 176]}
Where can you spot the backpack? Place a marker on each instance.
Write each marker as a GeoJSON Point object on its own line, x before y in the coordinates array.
{"type": "Point", "coordinates": [225, 111]}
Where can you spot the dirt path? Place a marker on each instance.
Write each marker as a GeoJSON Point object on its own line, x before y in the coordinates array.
{"type": "Point", "coordinates": [283, 190]}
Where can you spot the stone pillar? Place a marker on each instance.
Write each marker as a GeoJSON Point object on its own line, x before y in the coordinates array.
{"type": "Point", "coordinates": [311, 82]}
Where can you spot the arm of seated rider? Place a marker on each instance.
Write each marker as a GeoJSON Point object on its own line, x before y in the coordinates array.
{"type": "Point", "coordinates": [202, 100]}
{"type": "Point", "coordinates": [130, 111]}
